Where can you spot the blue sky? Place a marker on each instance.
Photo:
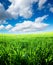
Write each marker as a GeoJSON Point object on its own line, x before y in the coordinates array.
{"type": "Point", "coordinates": [21, 16]}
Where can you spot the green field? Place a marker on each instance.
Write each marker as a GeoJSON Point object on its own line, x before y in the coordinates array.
{"type": "Point", "coordinates": [26, 49]}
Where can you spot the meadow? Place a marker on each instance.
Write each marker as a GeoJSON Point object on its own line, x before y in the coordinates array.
{"type": "Point", "coordinates": [26, 49]}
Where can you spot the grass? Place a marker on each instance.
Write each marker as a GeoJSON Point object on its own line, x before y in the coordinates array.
{"type": "Point", "coordinates": [26, 49]}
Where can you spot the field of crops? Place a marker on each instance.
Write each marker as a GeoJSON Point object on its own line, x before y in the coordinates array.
{"type": "Point", "coordinates": [26, 49]}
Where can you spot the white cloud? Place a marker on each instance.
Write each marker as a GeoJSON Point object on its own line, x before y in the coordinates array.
{"type": "Point", "coordinates": [51, 9]}
{"type": "Point", "coordinates": [40, 19]}
{"type": "Point", "coordinates": [4, 14]}
{"type": "Point", "coordinates": [41, 3]}
{"type": "Point", "coordinates": [21, 8]}
{"type": "Point", "coordinates": [2, 27]}
{"type": "Point", "coordinates": [3, 22]}
{"type": "Point", "coordinates": [29, 26]}
{"type": "Point", "coordinates": [8, 27]}
{"type": "Point", "coordinates": [18, 8]}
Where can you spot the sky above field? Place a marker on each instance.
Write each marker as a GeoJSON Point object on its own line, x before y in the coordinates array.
{"type": "Point", "coordinates": [26, 16]}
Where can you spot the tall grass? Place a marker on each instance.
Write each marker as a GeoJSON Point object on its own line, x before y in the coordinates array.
{"type": "Point", "coordinates": [27, 49]}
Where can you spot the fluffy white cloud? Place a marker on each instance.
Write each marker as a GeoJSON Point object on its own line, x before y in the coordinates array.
{"type": "Point", "coordinates": [8, 27]}
{"type": "Point", "coordinates": [21, 8]}
{"type": "Point", "coordinates": [29, 26]}
{"type": "Point", "coordinates": [40, 19]}
{"type": "Point", "coordinates": [2, 27]}
{"type": "Point", "coordinates": [18, 8]}
{"type": "Point", "coordinates": [51, 9]}
{"type": "Point", "coordinates": [41, 3]}
{"type": "Point", "coordinates": [2, 12]}
{"type": "Point", "coordinates": [4, 15]}
{"type": "Point", "coordinates": [3, 22]}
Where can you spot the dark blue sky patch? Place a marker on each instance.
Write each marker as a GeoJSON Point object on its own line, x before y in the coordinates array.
{"type": "Point", "coordinates": [5, 3]}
